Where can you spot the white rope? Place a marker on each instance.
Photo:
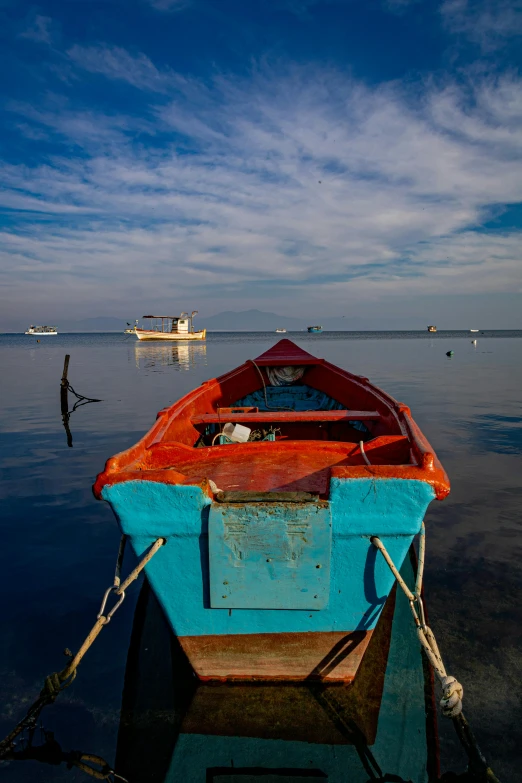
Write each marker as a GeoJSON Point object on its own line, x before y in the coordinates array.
{"type": "Point", "coordinates": [269, 407]}
{"type": "Point", "coordinates": [452, 690]}
{"type": "Point", "coordinates": [284, 376]}
{"type": "Point", "coordinates": [365, 458]}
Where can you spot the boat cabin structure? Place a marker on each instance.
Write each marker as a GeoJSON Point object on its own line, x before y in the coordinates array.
{"type": "Point", "coordinates": [169, 327]}
{"type": "Point", "coordinates": [42, 330]}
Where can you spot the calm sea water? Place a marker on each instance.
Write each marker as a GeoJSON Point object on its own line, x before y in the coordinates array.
{"type": "Point", "coordinates": [59, 544]}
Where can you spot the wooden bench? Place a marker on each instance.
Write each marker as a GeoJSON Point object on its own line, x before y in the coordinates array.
{"type": "Point", "coordinates": [258, 417]}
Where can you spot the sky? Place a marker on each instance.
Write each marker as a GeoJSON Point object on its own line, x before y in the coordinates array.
{"type": "Point", "coordinates": [337, 157]}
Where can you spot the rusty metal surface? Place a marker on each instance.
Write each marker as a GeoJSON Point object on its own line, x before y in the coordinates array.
{"type": "Point", "coordinates": [270, 555]}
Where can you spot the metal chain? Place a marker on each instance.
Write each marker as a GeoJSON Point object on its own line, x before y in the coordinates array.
{"type": "Point", "coordinates": [58, 681]}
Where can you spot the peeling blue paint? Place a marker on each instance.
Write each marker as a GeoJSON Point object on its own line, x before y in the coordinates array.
{"type": "Point", "coordinates": [270, 555]}
{"type": "Point", "coordinates": [360, 581]}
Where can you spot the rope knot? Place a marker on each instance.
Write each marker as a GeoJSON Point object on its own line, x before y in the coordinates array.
{"type": "Point", "coordinates": [451, 701]}
{"type": "Point", "coordinates": [52, 686]}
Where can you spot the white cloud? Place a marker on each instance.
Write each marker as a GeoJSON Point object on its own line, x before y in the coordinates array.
{"type": "Point", "coordinates": [292, 185]}
{"type": "Point", "coordinates": [303, 8]}
{"type": "Point", "coordinates": [39, 30]}
{"type": "Point", "coordinates": [116, 63]}
{"type": "Point", "coordinates": [400, 5]}
{"type": "Point", "coordinates": [168, 5]}
{"type": "Point", "coordinates": [488, 23]}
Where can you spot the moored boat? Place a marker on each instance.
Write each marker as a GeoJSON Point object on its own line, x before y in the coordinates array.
{"type": "Point", "coordinates": [315, 329]}
{"type": "Point", "coordinates": [280, 331]}
{"type": "Point", "coordinates": [169, 327]}
{"type": "Point", "coordinates": [173, 730]}
{"type": "Point", "coordinates": [41, 330]}
{"type": "Point", "coordinates": [131, 329]}
{"type": "Point", "coordinates": [267, 484]}
{"type": "Point", "coordinates": [432, 328]}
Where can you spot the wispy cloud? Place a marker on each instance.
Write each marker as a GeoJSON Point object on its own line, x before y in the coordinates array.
{"type": "Point", "coordinates": [488, 23]}
{"type": "Point", "coordinates": [169, 5]}
{"type": "Point", "coordinates": [39, 30]}
{"type": "Point", "coordinates": [303, 8]}
{"type": "Point", "coordinates": [293, 180]}
{"type": "Point", "coordinates": [399, 6]}
{"type": "Point", "coordinates": [117, 63]}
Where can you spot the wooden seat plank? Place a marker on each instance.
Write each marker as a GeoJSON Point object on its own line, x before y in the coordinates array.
{"type": "Point", "coordinates": [284, 416]}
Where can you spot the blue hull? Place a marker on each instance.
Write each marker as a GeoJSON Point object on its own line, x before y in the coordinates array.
{"type": "Point", "coordinates": [296, 732]}
{"type": "Point", "coordinates": [268, 571]}
{"type": "Point", "coordinates": [358, 585]}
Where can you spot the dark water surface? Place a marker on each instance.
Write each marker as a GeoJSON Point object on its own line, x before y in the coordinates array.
{"type": "Point", "coordinates": [59, 544]}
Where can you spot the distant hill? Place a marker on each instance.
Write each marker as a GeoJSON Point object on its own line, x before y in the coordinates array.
{"type": "Point", "coordinates": [260, 321]}
{"type": "Point", "coordinates": [227, 321]}
{"type": "Point", "coordinates": [249, 321]}
{"type": "Point", "coordinates": [101, 324]}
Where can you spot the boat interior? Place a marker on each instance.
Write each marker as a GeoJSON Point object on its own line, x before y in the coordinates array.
{"type": "Point", "coordinates": [300, 418]}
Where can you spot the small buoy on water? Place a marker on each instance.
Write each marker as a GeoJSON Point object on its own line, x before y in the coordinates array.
{"type": "Point", "coordinates": [473, 342]}
{"type": "Point", "coordinates": [38, 341]}
{"type": "Point", "coordinates": [449, 353]}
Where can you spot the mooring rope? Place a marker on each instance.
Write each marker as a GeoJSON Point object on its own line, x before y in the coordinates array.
{"type": "Point", "coordinates": [452, 690]}
{"type": "Point", "coordinates": [269, 407]}
{"type": "Point", "coordinates": [50, 752]}
{"type": "Point", "coordinates": [80, 398]}
{"type": "Point", "coordinates": [58, 681]}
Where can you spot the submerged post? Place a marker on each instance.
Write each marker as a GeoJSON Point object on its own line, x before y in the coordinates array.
{"type": "Point", "coordinates": [63, 386]}
{"type": "Point", "coordinates": [64, 401]}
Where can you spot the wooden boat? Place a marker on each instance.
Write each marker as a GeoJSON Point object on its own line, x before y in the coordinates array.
{"type": "Point", "coordinates": [39, 331]}
{"type": "Point", "coordinates": [268, 571]}
{"type": "Point", "coordinates": [315, 329]}
{"type": "Point", "coordinates": [131, 329]}
{"type": "Point", "coordinates": [432, 328]}
{"type": "Point", "coordinates": [173, 730]}
{"type": "Point", "coordinates": [171, 328]}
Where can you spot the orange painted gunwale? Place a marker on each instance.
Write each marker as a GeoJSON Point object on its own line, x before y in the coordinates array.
{"type": "Point", "coordinates": [144, 462]}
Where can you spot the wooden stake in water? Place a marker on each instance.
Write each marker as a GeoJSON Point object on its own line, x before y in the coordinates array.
{"type": "Point", "coordinates": [64, 401]}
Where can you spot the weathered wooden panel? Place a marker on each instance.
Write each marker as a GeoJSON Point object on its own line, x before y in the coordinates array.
{"type": "Point", "coordinates": [322, 657]}
{"type": "Point", "coordinates": [269, 555]}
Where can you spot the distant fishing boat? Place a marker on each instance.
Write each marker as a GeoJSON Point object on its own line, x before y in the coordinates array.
{"type": "Point", "coordinates": [131, 329]}
{"type": "Point", "coordinates": [266, 484]}
{"type": "Point", "coordinates": [280, 331]}
{"type": "Point", "coordinates": [315, 328]}
{"type": "Point", "coordinates": [432, 328]}
{"type": "Point", "coordinates": [473, 330]}
{"type": "Point", "coordinates": [168, 327]}
{"type": "Point", "coordinates": [42, 330]}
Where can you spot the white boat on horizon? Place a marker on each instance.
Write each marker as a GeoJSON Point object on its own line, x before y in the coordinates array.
{"type": "Point", "coordinates": [171, 328]}
{"type": "Point", "coordinates": [131, 329]}
{"type": "Point", "coordinates": [280, 331]}
{"type": "Point", "coordinates": [41, 330]}
{"type": "Point", "coordinates": [473, 330]}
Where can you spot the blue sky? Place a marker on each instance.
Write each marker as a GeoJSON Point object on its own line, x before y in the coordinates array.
{"type": "Point", "coordinates": [346, 157]}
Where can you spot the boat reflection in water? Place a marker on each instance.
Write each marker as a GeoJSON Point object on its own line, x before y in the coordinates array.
{"type": "Point", "coordinates": [183, 356]}
{"type": "Point", "coordinates": [380, 727]}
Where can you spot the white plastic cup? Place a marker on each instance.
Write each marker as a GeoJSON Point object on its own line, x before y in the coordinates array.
{"type": "Point", "coordinates": [236, 432]}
